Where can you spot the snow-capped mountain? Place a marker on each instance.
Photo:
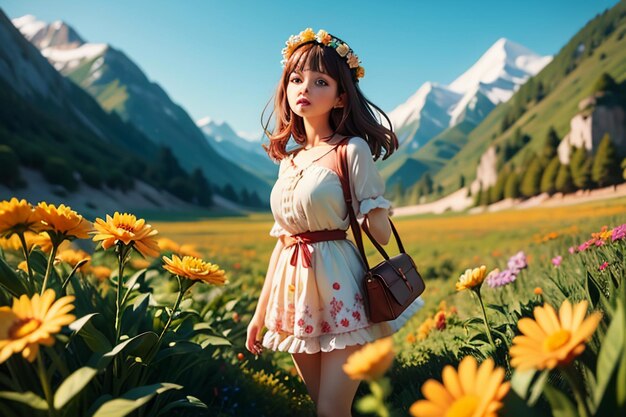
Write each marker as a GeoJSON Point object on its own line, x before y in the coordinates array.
{"type": "Point", "coordinates": [119, 85]}
{"type": "Point", "coordinates": [249, 155]}
{"type": "Point", "coordinates": [493, 79]}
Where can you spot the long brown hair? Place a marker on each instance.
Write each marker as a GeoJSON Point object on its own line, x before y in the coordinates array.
{"type": "Point", "coordinates": [355, 118]}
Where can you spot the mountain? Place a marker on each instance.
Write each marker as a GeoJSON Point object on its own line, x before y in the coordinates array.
{"type": "Point", "coordinates": [493, 79]}
{"type": "Point", "coordinates": [61, 145]}
{"type": "Point", "coordinates": [120, 86]}
{"type": "Point", "coordinates": [247, 154]}
{"type": "Point", "coordinates": [435, 108]}
{"type": "Point", "coordinates": [549, 100]}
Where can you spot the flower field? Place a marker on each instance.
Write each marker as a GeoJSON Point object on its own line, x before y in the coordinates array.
{"type": "Point", "coordinates": [524, 315]}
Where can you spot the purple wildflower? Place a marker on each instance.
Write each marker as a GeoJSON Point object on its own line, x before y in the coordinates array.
{"type": "Point", "coordinates": [556, 261]}
{"type": "Point", "coordinates": [572, 250]}
{"type": "Point", "coordinates": [502, 278]}
{"type": "Point", "coordinates": [517, 262]}
{"type": "Point", "coordinates": [619, 233]}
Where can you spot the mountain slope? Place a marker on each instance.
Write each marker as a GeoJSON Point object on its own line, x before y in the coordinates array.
{"type": "Point", "coordinates": [52, 126]}
{"type": "Point", "coordinates": [119, 85]}
{"type": "Point", "coordinates": [248, 155]}
{"type": "Point", "coordinates": [600, 46]}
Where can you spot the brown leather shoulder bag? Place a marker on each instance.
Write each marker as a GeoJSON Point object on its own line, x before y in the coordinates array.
{"type": "Point", "coordinates": [392, 285]}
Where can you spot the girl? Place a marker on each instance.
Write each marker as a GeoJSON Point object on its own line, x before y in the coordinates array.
{"type": "Point", "coordinates": [312, 302]}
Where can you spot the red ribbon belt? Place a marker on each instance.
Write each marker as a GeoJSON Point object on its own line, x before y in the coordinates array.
{"type": "Point", "coordinates": [302, 240]}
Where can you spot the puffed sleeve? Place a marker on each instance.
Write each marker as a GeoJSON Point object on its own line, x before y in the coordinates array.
{"type": "Point", "coordinates": [367, 185]}
{"type": "Point", "coordinates": [277, 230]}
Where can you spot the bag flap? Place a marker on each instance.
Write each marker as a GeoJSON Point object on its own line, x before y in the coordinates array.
{"type": "Point", "coordinates": [386, 272]}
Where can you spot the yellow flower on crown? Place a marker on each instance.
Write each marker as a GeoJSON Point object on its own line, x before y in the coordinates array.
{"type": "Point", "coordinates": [323, 37]}
{"type": "Point", "coordinates": [307, 35]}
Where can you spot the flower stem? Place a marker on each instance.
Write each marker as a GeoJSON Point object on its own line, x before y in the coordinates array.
{"type": "Point", "coordinates": [181, 292]}
{"type": "Point", "coordinates": [570, 375]}
{"type": "Point", "coordinates": [45, 384]}
{"type": "Point", "coordinates": [122, 252]}
{"type": "Point", "coordinates": [482, 306]}
{"type": "Point", "coordinates": [53, 255]}
{"type": "Point", "coordinates": [26, 257]}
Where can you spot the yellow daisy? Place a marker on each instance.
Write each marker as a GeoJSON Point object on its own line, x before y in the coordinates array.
{"type": "Point", "coordinates": [129, 230]}
{"type": "Point", "coordinates": [63, 221]}
{"type": "Point", "coordinates": [550, 340]}
{"type": "Point", "coordinates": [371, 361]}
{"type": "Point", "coordinates": [33, 322]}
{"type": "Point", "coordinates": [471, 278]}
{"type": "Point", "coordinates": [195, 269]}
{"type": "Point", "coordinates": [474, 391]}
{"type": "Point", "coordinates": [18, 216]}
{"type": "Point", "coordinates": [73, 257]}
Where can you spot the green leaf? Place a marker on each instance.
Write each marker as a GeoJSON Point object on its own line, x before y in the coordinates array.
{"type": "Point", "coordinates": [10, 280]}
{"type": "Point", "coordinates": [78, 324]}
{"type": "Point", "coordinates": [189, 402]}
{"type": "Point", "coordinates": [137, 344]}
{"type": "Point", "coordinates": [29, 398]}
{"type": "Point", "coordinates": [559, 403]}
{"type": "Point", "coordinates": [130, 283]}
{"type": "Point", "coordinates": [72, 385]}
{"type": "Point", "coordinates": [215, 341]}
{"type": "Point", "coordinates": [367, 405]}
{"type": "Point", "coordinates": [610, 352]}
{"type": "Point", "coordinates": [95, 340]}
{"type": "Point", "coordinates": [180, 348]}
{"type": "Point", "coordinates": [132, 400]}
{"type": "Point", "coordinates": [538, 387]}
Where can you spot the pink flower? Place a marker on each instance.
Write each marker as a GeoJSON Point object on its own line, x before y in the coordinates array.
{"type": "Point", "coordinates": [599, 242]}
{"type": "Point", "coordinates": [308, 329]}
{"type": "Point", "coordinates": [619, 232]}
{"type": "Point", "coordinates": [356, 315]}
{"type": "Point", "coordinates": [603, 266]}
{"type": "Point", "coordinates": [556, 261]}
{"type": "Point", "coordinates": [325, 327]}
{"type": "Point", "coordinates": [336, 286]}
{"type": "Point", "coordinates": [301, 322]}
{"type": "Point", "coordinates": [572, 250]}
{"type": "Point", "coordinates": [345, 322]}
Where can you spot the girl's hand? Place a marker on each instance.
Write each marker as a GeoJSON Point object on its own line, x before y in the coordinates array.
{"type": "Point", "coordinates": [253, 342]}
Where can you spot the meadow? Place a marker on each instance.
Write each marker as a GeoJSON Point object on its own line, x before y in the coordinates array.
{"type": "Point", "coordinates": [156, 346]}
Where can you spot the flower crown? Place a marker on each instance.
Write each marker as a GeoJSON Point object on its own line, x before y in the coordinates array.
{"type": "Point", "coordinates": [325, 39]}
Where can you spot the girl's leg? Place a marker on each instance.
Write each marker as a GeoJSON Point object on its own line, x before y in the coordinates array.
{"type": "Point", "coordinates": [337, 390]}
{"type": "Point", "coordinates": [308, 367]}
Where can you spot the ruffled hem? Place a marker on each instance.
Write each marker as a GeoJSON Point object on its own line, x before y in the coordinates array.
{"type": "Point", "coordinates": [370, 204]}
{"type": "Point", "coordinates": [287, 342]}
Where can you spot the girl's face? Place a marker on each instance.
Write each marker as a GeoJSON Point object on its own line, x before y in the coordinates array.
{"type": "Point", "coordinates": [312, 94]}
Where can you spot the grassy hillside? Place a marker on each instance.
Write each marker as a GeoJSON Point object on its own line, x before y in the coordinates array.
{"type": "Point", "coordinates": [599, 47]}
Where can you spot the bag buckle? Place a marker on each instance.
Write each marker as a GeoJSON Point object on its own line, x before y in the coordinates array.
{"type": "Point", "coordinates": [406, 281]}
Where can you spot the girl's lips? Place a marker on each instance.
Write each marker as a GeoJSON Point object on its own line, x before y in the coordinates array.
{"type": "Point", "coordinates": [303, 101]}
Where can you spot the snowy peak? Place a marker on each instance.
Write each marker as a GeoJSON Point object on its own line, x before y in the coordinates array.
{"type": "Point", "coordinates": [505, 61]}
{"type": "Point", "coordinates": [492, 80]}
{"type": "Point", "coordinates": [56, 34]}
{"type": "Point", "coordinates": [219, 130]}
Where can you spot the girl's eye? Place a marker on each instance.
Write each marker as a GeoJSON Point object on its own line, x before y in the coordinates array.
{"type": "Point", "coordinates": [322, 82]}
{"type": "Point", "coordinates": [294, 79]}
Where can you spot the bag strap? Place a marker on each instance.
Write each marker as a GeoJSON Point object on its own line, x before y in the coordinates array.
{"type": "Point", "coordinates": [344, 177]}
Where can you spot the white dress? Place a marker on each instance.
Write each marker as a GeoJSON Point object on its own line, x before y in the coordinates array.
{"type": "Point", "coordinates": [321, 307]}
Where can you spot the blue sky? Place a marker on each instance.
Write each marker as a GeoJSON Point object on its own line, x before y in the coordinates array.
{"type": "Point", "coordinates": [222, 58]}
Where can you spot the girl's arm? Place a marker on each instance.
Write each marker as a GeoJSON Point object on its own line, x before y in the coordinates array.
{"type": "Point", "coordinates": [265, 292]}
{"type": "Point", "coordinates": [378, 224]}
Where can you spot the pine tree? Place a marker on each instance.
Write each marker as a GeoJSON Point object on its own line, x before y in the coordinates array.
{"type": "Point", "coordinates": [605, 83]}
{"type": "Point", "coordinates": [203, 190]}
{"type": "Point", "coordinates": [563, 182]}
{"type": "Point", "coordinates": [548, 180]}
{"type": "Point", "coordinates": [605, 170]}
{"type": "Point", "coordinates": [511, 187]}
{"type": "Point", "coordinates": [497, 191]}
{"type": "Point", "coordinates": [532, 178]}
{"type": "Point", "coordinates": [580, 166]}
{"type": "Point", "coordinates": [551, 144]}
